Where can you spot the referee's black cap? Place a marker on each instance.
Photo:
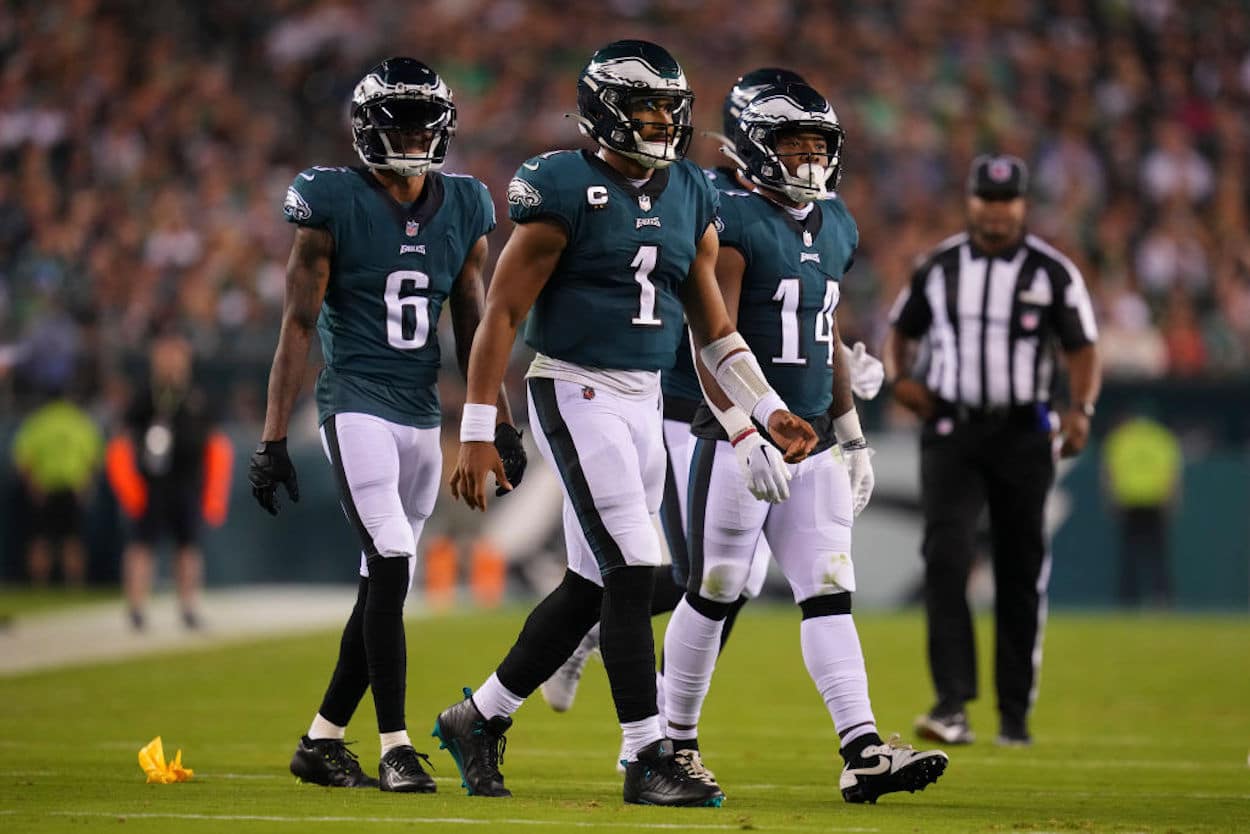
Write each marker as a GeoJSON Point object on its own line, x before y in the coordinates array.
{"type": "Point", "coordinates": [998, 177]}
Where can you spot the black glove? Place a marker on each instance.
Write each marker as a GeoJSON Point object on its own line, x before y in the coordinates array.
{"type": "Point", "coordinates": [512, 453]}
{"type": "Point", "coordinates": [269, 467]}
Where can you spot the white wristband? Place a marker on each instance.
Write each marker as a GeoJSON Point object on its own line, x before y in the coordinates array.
{"type": "Point", "coordinates": [846, 428]}
{"type": "Point", "coordinates": [477, 423]}
{"type": "Point", "coordinates": [764, 409]}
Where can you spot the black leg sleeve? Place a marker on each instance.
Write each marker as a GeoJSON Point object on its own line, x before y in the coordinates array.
{"type": "Point", "coordinates": [385, 645]}
{"type": "Point", "coordinates": [351, 671]}
{"type": "Point", "coordinates": [627, 644]}
{"type": "Point", "coordinates": [551, 633]}
{"type": "Point", "coordinates": [665, 592]}
{"type": "Point", "coordinates": [730, 618]}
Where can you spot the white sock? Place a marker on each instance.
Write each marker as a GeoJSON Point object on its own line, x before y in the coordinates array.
{"type": "Point", "coordinates": [322, 728]}
{"type": "Point", "coordinates": [399, 738]}
{"type": "Point", "coordinates": [638, 734]}
{"type": "Point", "coordinates": [835, 661]}
{"type": "Point", "coordinates": [659, 694]}
{"type": "Point", "coordinates": [493, 699]}
{"type": "Point", "coordinates": [691, 644]}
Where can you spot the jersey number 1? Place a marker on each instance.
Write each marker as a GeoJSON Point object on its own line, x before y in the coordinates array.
{"type": "Point", "coordinates": [644, 262]}
{"type": "Point", "coordinates": [407, 314]}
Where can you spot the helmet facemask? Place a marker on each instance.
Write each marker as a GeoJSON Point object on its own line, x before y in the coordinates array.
{"type": "Point", "coordinates": [763, 143]}
{"type": "Point", "coordinates": [622, 84]}
{"type": "Point", "coordinates": [405, 134]}
{"type": "Point", "coordinates": [626, 137]}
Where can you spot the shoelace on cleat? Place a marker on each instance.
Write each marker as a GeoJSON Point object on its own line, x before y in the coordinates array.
{"type": "Point", "coordinates": [410, 764]}
{"type": "Point", "coordinates": [692, 764]}
{"type": "Point", "coordinates": [336, 753]}
{"type": "Point", "coordinates": [492, 752]}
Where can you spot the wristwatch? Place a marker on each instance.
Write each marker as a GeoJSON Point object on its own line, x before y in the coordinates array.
{"type": "Point", "coordinates": [1086, 408]}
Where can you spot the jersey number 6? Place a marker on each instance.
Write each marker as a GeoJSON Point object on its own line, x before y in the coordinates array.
{"type": "Point", "coordinates": [407, 312]}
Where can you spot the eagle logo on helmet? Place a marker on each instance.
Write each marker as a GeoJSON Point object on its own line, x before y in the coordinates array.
{"type": "Point", "coordinates": [748, 87]}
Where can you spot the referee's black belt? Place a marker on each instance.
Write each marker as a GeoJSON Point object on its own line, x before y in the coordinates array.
{"type": "Point", "coordinates": [1031, 416]}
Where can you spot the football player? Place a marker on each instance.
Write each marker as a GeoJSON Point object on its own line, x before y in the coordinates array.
{"type": "Point", "coordinates": [785, 247]}
{"type": "Point", "coordinates": [682, 396]}
{"type": "Point", "coordinates": [610, 247]}
{"type": "Point", "coordinates": [378, 250]}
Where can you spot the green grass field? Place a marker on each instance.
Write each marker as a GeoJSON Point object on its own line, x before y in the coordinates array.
{"type": "Point", "coordinates": [1143, 725]}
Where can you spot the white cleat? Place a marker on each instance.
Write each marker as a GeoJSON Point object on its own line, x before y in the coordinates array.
{"type": "Point", "coordinates": [561, 688]}
{"type": "Point", "coordinates": [889, 767]}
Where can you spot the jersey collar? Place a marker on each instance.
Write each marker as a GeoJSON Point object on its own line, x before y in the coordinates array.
{"type": "Point", "coordinates": [811, 224]}
{"type": "Point", "coordinates": [653, 188]}
{"type": "Point", "coordinates": [421, 209]}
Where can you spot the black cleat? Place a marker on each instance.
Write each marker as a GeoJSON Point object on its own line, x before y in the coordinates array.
{"type": "Point", "coordinates": [1013, 733]}
{"type": "Point", "coordinates": [889, 767]}
{"type": "Point", "coordinates": [656, 777]}
{"type": "Point", "coordinates": [327, 761]}
{"type": "Point", "coordinates": [476, 744]}
{"type": "Point", "coordinates": [400, 771]}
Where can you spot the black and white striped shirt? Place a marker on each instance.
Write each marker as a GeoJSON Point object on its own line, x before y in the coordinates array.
{"type": "Point", "coordinates": [991, 322]}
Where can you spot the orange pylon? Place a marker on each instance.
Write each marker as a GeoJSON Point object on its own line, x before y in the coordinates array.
{"type": "Point", "coordinates": [440, 573]}
{"type": "Point", "coordinates": [488, 573]}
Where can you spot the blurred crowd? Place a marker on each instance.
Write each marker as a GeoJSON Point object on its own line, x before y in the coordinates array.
{"type": "Point", "coordinates": [145, 150]}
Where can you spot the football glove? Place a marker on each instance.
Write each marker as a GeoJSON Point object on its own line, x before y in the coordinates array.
{"type": "Point", "coordinates": [858, 459]}
{"type": "Point", "coordinates": [512, 453]}
{"type": "Point", "coordinates": [269, 467]}
{"type": "Point", "coordinates": [766, 474]}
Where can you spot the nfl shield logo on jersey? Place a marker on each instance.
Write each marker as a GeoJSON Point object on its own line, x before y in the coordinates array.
{"type": "Point", "coordinates": [644, 202]}
{"type": "Point", "coordinates": [1029, 320]}
{"type": "Point", "coordinates": [411, 227]}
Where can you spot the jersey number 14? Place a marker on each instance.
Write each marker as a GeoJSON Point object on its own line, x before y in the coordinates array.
{"type": "Point", "coordinates": [788, 293]}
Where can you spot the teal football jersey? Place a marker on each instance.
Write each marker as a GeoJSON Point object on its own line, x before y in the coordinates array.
{"type": "Point", "coordinates": [613, 299]}
{"type": "Point", "coordinates": [393, 266]}
{"type": "Point", "coordinates": [682, 381]}
{"type": "Point", "coordinates": [790, 290]}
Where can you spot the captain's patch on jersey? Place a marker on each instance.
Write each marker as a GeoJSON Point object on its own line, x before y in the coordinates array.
{"type": "Point", "coordinates": [521, 193]}
{"type": "Point", "coordinates": [295, 207]}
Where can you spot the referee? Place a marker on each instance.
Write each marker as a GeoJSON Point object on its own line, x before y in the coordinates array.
{"type": "Point", "coordinates": [991, 305]}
